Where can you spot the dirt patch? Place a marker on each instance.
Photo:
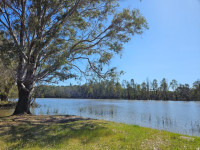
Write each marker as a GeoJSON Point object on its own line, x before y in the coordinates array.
{"type": "Point", "coordinates": [187, 138]}
{"type": "Point", "coordinates": [154, 143]}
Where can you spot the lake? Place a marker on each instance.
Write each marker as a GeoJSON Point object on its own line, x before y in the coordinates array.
{"type": "Point", "coordinates": [174, 116]}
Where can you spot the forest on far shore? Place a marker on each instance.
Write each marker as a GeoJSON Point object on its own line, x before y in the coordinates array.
{"type": "Point", "coordinates": [126, 90]}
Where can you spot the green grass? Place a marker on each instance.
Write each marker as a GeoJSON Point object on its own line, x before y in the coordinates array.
{"type": "Point", "coordinates": [7, 104]}
{"type": "Point", "coordinates": [87, 134]}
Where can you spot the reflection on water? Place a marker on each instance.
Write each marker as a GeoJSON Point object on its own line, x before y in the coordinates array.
{"type": "Point", "coordinates": [100, 110]}
{"type": "Point", "coordinates": [174, 116]}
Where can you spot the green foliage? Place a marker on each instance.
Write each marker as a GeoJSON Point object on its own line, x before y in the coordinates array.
{"type": "Point", "coordinates": [164, 89]}
{"type": "Point", "coordinates": [196, 90]}
{"type": "Point", "coordinates": [111, 89]}
{"type": "Point", "coordinates": [7, 66]}
{"type": "Point", "coordinates": [52, 40]}
{"type": "Point", "coordinates": [49, 38]}
{"type": "Point", "coordinates": [7, 80]}
{"type": "Point", "coordinates": [13, 93]}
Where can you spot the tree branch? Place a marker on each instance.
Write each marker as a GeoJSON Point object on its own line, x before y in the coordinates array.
{"type": "Point", "coordinates": [6, 3]}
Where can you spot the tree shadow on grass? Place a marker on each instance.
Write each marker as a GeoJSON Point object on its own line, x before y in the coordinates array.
{"type": "Point", "coordinates": [51, 133]}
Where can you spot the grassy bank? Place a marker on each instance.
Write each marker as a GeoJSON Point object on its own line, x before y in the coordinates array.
{"type": "Point", "coordinates": [71, 132]}
{"type": "Point", "coordinates": [7, 104]}
{"type": "Point", "coordinates": [13, 104]}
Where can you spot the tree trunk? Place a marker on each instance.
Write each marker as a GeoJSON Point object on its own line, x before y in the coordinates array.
{"type": "Point", "coordinates": [24, 102]}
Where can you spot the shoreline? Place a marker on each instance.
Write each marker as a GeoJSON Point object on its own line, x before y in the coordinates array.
{"type": "Point", "coordinates": [120, 99]}
{"type": "Point", "coordinates": [75, 132]}
{"type": "Point", "coordinates": [7, 104]}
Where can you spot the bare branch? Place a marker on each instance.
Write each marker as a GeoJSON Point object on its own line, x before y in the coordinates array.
{"type": "Point", "coordinates": [58, 23]}
{"type": "Point", "coordinates": [7, 4]}
{"type": "Point", "coordinates": [90, 46]}
{"type": "Point", "coordinates": [9, 27]}
{"type": "Point", "coordinates": [89, 41]}
{"type": "Point", "coordinates": [91, 66]}
{"type": "Point", "coordinates": [79, 69]}
{"type": "Point", "coordinates": [4, 24]}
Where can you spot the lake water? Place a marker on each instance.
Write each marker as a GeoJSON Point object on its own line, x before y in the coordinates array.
{"type": "Point", "coordinates": [174, 116]}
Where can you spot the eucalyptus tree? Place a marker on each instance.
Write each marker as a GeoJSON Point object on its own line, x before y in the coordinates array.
{"type": "Point", "coordinates": [154, 87]}
{"type": "Point", "coordinates": [129, 90]}
{"type": "Point", "coordinates": [144, 93]}
{"type": "Point", "coordinates": [56, 39]}
{"type": "Point", "coordinates": [133, 86]}
{"type": "Point", "coordinates": [164, 89]}
{"type": "Point", "coordinates": [184, 92]}
{"type": "Point", "coordinates": [119, 90]}
{"type": "Point", "coordinates": [148, 88]}
{"type": "Point", "coordinates": [196, 90]}
{"type": "Point", "coordinates": [174, 86]}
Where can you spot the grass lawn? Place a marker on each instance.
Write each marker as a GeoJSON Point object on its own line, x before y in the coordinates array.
{"type": "Point", "coordinates": [72, 132]}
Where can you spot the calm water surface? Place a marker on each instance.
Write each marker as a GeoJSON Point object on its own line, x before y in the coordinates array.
{"type": "Point", "coordinates": [174, 116]}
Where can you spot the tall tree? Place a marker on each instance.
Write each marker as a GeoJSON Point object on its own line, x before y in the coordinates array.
{"type": "Point", "coordinates": [129, 90]}
{"type": "Point", "coordinates": [144, 91]}
{"type": "Point", "coordinates": [196, 90]}
{"type": "Point", "coordinates": [183, 92]}
{"type": "Point", "coordinates": [164, 89]}
{"type": "Point", "coordinates": [174, 86]}
{"type": "Point", "coordinates": [154, 87]}
{"type": "Point", "coordinates": [119, 90]}
{"type": "Point", "coordinates": [133, 85]}
{"type": "Point", "coordinates": [148, 88]}
{"type": "Point", "coordinates": [52, 37]}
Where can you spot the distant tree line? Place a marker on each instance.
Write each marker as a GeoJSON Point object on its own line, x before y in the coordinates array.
{"type": "Point", "coordinates": [126, 90]}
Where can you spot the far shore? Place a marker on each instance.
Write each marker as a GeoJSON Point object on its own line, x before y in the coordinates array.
{"type": "Point", "coordinates": [118, 99]}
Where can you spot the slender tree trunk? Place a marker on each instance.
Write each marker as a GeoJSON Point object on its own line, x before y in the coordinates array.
{"type": "Point", "coordinates": [24, 102]}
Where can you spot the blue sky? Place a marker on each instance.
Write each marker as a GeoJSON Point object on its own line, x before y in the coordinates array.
{"type": "Point", "coordinates": [169, 49]}
{"type": "Point", "coordinates": [171, 46]}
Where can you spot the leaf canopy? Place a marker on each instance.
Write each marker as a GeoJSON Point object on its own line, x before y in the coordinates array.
{"type": "Point", "coordinates": [57, 38]}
